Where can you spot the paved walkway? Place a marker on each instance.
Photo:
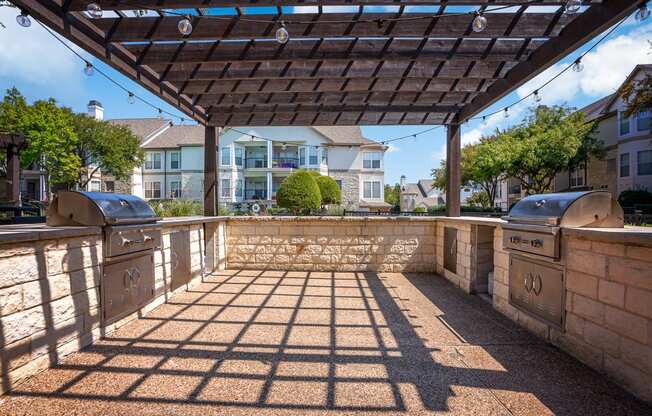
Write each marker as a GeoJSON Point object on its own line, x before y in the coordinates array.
{"type": "Point", "coordinates": [273, 343]}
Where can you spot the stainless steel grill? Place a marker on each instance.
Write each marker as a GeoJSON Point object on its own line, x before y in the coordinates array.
{"type": "Point", "coordinates": [130, 234]}
{"type": "Point", "coordinates": [533, 237]}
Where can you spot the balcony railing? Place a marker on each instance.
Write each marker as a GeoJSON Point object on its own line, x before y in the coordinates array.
{"type": "Point", "coordinates": [285, 162]}
{"type": "Point", "coordinates": [255, 194]}
{"type": "Point", "coordinates": [255, 162]}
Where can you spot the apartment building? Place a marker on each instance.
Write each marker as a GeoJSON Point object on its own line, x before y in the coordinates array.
{"type": "Point", "coordinates": [252, 162]}
{"type": "Point", "coordinates": [628, 143]}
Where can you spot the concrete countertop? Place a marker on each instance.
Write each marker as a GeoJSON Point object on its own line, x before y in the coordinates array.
{"type": "Point", "coordinates": [21, 233]}
{"type": "Point", "coordinates": [198, 219]}
{"type": "Point", "coordinates": [330, 218]}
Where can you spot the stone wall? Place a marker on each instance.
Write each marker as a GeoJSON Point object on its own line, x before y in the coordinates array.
{"type": "Point", "coordinates": [331, 244]}
{"type": "Point", "coordinates": [608, 308]}
{"type": "Point", "coordinates": [350, 188]}
{"type": "Point", "coordinates": [50, 294]}
{"type": "Point", "coordinates": [49, 299]}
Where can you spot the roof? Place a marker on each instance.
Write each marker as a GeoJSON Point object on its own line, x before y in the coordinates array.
{"type": "Point", "coordinates": [597, 109]}
{"type": "Point", "coordinates": [175, 136]}
{"type": "Point", "coordinates": [644, 67]}
{"type": "Point", "coordinates": [144, 128]}
{"type": "Point", "coordinates": [344, 134]}
{"type": "Point", "coordinates": [421, 189]}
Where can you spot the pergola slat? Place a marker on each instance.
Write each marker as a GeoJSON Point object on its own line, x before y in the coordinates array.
{"type": "Point", "coordinates": [165, 28]}
{"type": "Point", "coordinates": [323, 118]}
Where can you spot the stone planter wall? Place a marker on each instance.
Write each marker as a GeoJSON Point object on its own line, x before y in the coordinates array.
{"type": "Point", "coordinates": [331, 244]}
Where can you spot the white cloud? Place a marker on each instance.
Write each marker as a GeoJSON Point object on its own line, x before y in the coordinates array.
{"type": "Point", "coordinates": [31, 55]}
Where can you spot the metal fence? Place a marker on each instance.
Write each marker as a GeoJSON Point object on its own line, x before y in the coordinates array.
{"type": "Point", "coordinates": [418, 214]}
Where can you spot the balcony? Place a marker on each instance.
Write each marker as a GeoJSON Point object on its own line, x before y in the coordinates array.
{"type": "Point", "coordinates": [255, 194]}
{"type": "Point", "coordinates": [255, 162]}
{"type": "Point", "coordinates": [285, 162]}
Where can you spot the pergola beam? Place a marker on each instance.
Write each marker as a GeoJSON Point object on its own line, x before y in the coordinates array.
{"type": "Point", "coordinates": [592, 22]}
{"type": "Point", "coordinates": [86, 36]}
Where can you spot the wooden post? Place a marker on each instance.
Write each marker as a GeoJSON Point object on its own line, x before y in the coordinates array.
{"type": "Point", "coordinates": [13, 174]}
{"type": "Point", "coordinates": [453, 170]}
{"type": "Point", "coordinates": [211, 140]}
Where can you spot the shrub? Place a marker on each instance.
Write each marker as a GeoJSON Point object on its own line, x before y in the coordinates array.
{"type": "Point", "coordinates": [299, 192]}
{"type": "Point", "coordinates": [634, 197]}
{"type": "Point", "coordinates": [419, 209]}
{"type": "Point", "coordinates": [330, 192]}
{"type": "Point", "coordinates": [176, 208]}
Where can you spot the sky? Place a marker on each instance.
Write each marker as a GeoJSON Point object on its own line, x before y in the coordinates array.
{"type": "Point", "coordinates": [40, 67]}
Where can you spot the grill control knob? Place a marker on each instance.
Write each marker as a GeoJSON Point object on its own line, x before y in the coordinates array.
{"type": "Point", "coordinates": [514, 239]}
{"type": "Point", "coordinates": [536, 243]}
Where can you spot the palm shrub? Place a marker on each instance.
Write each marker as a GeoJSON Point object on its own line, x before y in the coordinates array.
{"type": "Point", "coordinates": [299, 192]}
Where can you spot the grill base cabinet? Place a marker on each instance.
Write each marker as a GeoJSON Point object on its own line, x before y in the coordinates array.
{"type": "Point", "coordinates": [538, 288]}
{"type": "Point", "coordinates": [127, 284]}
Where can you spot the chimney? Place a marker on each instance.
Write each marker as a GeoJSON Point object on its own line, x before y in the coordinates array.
{"type": "Point", "coordinates": [403, 180]}
{"type": "Point", "coordinates": [95, 110]}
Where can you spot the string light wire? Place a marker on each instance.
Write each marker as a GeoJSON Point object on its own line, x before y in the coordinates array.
{"type": "Point", "coordinates": [383, 142]}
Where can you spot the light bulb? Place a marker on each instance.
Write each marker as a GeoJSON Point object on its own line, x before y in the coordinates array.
{"type": "Point", "coordinates": [23, 19]}
{"type": "Point", "coordinates": [282, 35]}
{"type": "Point", "coordinates": [479, 23]}
{"type": "Point", "coordinates": [578, 66]}
{"type": "Point", "coordinates": [572, 6]}
{"type": "Point", "coordinates": [506, 112]}
{"type": "Point", "coordinates": [131, 99]}
{"type": "Point", "coordinates": [94, 10]}
{"type": "Point", "coordinates": [642, 13]}
{"type": "Point", "coordinates": [160, 113]}
{"type": "Point", "coordinates": [88, 70]}
{"type": "Point", "coordinates": [284, 146]}
{"type": "Point", "coordinates": [537, 97]}
{"type": "Point", "coordinates": [185, 26]}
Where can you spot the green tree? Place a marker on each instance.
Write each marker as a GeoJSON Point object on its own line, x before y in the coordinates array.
{"type": "Point", "coordinates": [546, 143]}
{"type": "Point", "coordinates": [106, 147]}
{"type": "Point", "coordinates": [439, 174]}
{"type": "Point", "coordinates": [480, 199]}
{"type": "Point", "coordinates": [637, 95]}
{"type": "Point", "coordinates": [393, 195]}
{"type": "Point", "coordinates": [299, 192]}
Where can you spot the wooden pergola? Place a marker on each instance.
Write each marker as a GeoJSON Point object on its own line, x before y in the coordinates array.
{"type": "Point", "coordinates": [361, 67]}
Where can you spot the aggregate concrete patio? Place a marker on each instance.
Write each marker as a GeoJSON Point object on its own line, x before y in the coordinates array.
{"type": "Point", "coordinates": [296, 343]}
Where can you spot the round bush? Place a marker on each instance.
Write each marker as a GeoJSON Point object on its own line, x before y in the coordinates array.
{"type": "Point", "coordinates": [299, 192]}
{"type": "Point", "coordinates": [330, 192]}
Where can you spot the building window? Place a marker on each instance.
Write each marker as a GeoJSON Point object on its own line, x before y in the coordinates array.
{"type": "Point", "coordinates": [226, 188]}
{"type": "Point", "coordinates": [238, 156]}
{"type": "Point", "coordinates": [371, 190]}
{"type": "Point", "coordinates": [324, 156]}
{"type": "Point", "coordinates": [109, 186]}
{"type": "Point", "coordinates": [153, 190]}
{"type": "Point", "coordinates": [153, 160]}
{"type": "Point", "coordinates": [624, 125]}
{"type": "Point", "coordinates": [302, 156]}
{"type": "Point", "coordinates": [624, 165]}
{"type": "Point", "coordinates": [371, 160]}
{"type": "Point", "coordinates": [95, 186]}
{"type": "Point", "coordinates": [175, 160]}
{"type": "Point", "coordinates": [226, 156]}
{"type": "Point", "coordinates": [313, 155]}
{"type": "Point", "coordinates": [644, 120]}
{"type": "Point", "coordinates": [239, 186]}
{"type": "Point", "coordinates": [339, 183]}
{"type": "Point", "coordinates": [577, 177]}
{"type": "Point", "coordinates": [644, 162]}
{"type": "Point", "coordinates": [175, 189]}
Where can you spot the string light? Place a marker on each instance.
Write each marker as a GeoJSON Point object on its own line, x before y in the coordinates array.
{"type": "Point", "coordinates": [642, 13]}
{"type": "Point", "coordinates": [88, 69]}
{"type": "Point", "coordinates": [23, 19]}
{"type": "Point", "coordinates": [536, 96]}
{"type": "Point", "coordinates": [282, 35]}
{"type": "Point", "coordinates": [572, 6]}
{"type": "Point", "coordinates": [506, 112]}
{"type": "Point", "coordinates": [160, 113]}
{"type": "Point", "coordinates": [131, 99]}
{"type": "Point", "coordinates": [185, 26]}
{"type": "Point", "coordinates": [479, 23]}
{"type": "Point", "coordinates": [578, 66]}
{"type": "Point", "coordinates": [94, 10]}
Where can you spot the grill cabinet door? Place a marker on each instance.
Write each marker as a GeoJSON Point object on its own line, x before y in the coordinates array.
{"type": "Point", "coordinates": [537, 288]}
{"type": "Point", "coordinates": [180, 258]}
{"type": "Point", "coordinates": [127, 285]}
{"type": "Point", "coordinates": [450, 249]}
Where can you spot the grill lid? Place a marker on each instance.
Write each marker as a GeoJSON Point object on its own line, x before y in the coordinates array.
{"type": "Point", "coordinates": [98, 208]}
{"type": "Point", "coordinates": [568, 209]}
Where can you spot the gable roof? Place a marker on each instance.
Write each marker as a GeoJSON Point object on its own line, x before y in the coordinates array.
{"type": "Point", "coordinates": [597, 109]}
{"type": "Point", "coordinates": [176, 136]}
{"type": "Point", "coordinates": [343, 135]}
{"type": "Point", "coordinates": [144, 128]}
{"type": "Point", "coordinates": [637, 68]}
